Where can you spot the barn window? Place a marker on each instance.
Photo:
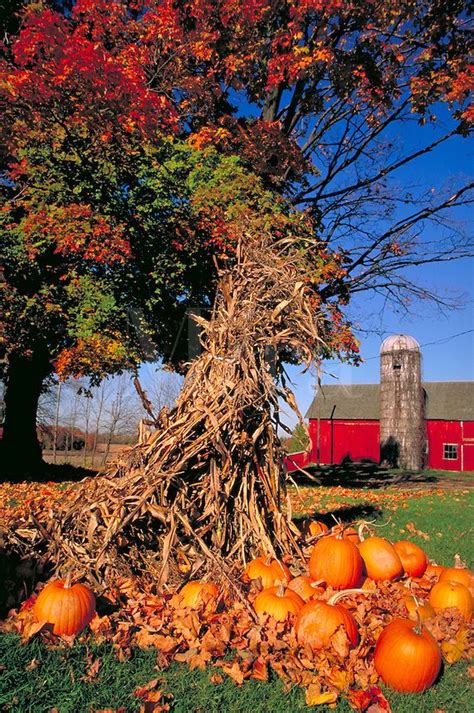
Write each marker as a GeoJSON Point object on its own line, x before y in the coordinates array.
{"type": "Point", "coordinates": [450, 451]}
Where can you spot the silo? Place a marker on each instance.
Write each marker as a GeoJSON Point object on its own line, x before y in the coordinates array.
{"type": "Point", "coordinates": [402, 423]}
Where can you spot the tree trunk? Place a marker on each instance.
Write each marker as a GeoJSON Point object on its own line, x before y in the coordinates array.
{"type": "Point", "coordinates": [56, 421]}
{"type": "Point", "coordinates": [101, 395]}
{"type": "Point", "coordinates": [20, 448]}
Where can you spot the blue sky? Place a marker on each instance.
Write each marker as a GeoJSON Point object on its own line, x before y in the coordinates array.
{"type": "Point", "coordinates": [451, 357]}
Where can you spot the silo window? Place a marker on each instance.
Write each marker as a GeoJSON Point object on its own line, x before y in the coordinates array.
{"type": "Point", "coordinates": [450, 451]}
{"type": "Point", "coordinates": [396, 365]}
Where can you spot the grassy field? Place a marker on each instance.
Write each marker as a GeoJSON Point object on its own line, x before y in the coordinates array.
{"type": "Point", "coordinates": [36, 679]}
{"type": "Point", "coordinates": [81, 459]}
{"type": "Point", "coordinates": [436, 512]}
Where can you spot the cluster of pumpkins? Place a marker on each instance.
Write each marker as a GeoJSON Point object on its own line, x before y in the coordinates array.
{"type": "Point", "coordinates": [407, 657]}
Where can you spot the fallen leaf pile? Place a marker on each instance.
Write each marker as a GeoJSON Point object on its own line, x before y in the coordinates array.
{"type": "Point", "coordinates": [21, 499]}
{"type": "Point", "coordinates": [328, 499]}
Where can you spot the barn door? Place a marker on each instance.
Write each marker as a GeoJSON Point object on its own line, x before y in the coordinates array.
{"type": "Point", "coordinates": [467, 445]}
{"type": "Point", "coordinates": [468, 456]}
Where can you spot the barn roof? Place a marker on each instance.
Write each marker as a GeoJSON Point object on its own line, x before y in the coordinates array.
{"type": "Point", "coordinates": [445, 401]}
{"type": "Point", "coordinates": [450, 400]}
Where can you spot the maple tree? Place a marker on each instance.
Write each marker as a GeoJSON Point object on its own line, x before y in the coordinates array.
{"type": "Point", "coordinates": [136, 133]}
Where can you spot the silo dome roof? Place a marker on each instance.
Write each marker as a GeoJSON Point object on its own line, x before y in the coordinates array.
{"type": "Point", "coordinates": [399, 342]}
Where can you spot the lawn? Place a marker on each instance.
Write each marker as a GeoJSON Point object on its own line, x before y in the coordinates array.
{"type": "Point", "coordinates": [36, 679]}
{"type": "Point", "coordinates": [437, 514]}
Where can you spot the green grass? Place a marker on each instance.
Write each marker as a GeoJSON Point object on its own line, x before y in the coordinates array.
{"type": "Point", "coordinates": [447, 519]}
{"type": "Point", "coordinates": [58, 680]}
{"type": "Point", "coordinates": [448, 522]}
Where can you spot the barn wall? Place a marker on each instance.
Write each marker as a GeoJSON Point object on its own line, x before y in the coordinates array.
{"type": "Point", "coordinates": [360, 440]}
{"type": "Point", "coordinates": [357, 440]}
{"type": "Point", "coordinates": [468, 445]}
{"type": "Point", "coordinates": [313, 429]}
{"type": "Point", "coordinates": [459, 433]}
{"type": "Point", "coordinates": [293, 461]}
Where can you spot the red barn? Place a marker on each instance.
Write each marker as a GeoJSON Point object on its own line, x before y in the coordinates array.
{"type": "Point", "coordinates": [344, 423]}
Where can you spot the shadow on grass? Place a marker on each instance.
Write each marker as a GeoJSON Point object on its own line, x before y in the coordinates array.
{"type": "Point", "coordinates": [49, 473]}
{"type": "Point", "coordinates": [361, 474]}
{"type": "Point", "coordinates": [18, 577]}
{"type": "Point", "coordinates": [346, 514]}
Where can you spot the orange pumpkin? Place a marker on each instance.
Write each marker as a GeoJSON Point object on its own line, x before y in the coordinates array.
{"type": "Point", "coordinates": [369, 585]}
{"type": "Point", "coordinates": [418, 607]}
{"type": "Point", "coordinates": [407, 658]}
{"type": "Point", "coordinates": [316, 527]}
{"type": "Point", "coordinates": [451, 594]}
{"type": "Point", "coordinates": [305, 587]}
{"type": "Point", "coordinates": [278, 602]}
{"type": "Point", "coordinates": [270, 571]}
{"type": "Point", "coordinates": [336, 561]}
{"type": "Point", "coordinates": [434, 570]}
{"type": "Point", "coordinates": [352, 535]}
{"type": "Point", "coordinates": [318, 621]}
{"type": "Point", "coordinates": [458, 573]}
{"type": "Point", "coordinates": [381, 560]}
{"type": "Point", "coordinates": [68, 608]}
{"type": "Point", "coordinates": [349, 532]}
{"type": "Point", "coordinates": [413, 558]}
{"type": "Point", "coordinates": [195, 593]}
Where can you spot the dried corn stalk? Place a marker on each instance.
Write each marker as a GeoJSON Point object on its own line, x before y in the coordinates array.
{"type": "Point", "coordinates": [208, 485]}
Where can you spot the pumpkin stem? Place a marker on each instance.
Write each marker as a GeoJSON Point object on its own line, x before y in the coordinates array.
{"type": "Point", "coordinates": [281, 589]}
{"type": "Point", "coordinates": [418, 628]}
{"type": "Point", "coordinates": [346, 592]}
{"type": "Point", "coordinates": [317, 583]}
{"type": "Point", "coordinates": [458, 563]}
{"type": "Point", "coordinates": [67, 581]}
{"type": "Point", "coordinates": [364, 525]}
{"type": "Point", "coordinates": [382, 524]}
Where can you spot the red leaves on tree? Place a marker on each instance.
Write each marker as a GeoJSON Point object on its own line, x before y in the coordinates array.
{"type": "Point", "coordinates": [76, 229]}
{"type": "Point", "coordinates": [97, 354]}
{"type": "Point", "coordinates": [89, 70]}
